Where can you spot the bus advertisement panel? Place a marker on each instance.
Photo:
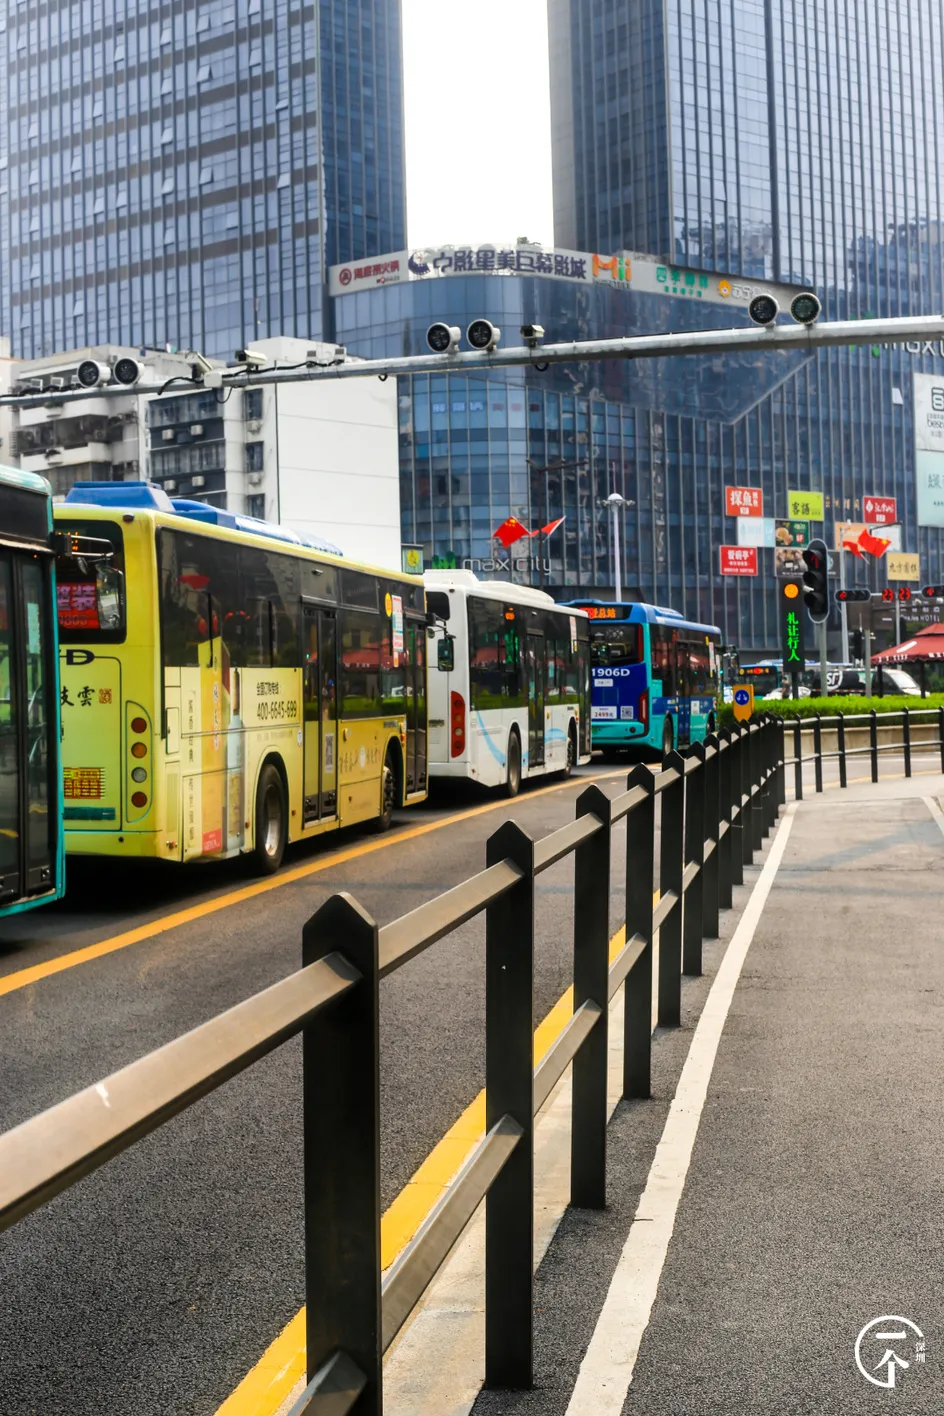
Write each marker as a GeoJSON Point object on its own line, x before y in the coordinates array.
{"type": "Point", "coordinates": [226, 688]}
{"type": "Point", "coordinates": [655, 677]}
{"type": "Point", "coordinates": [31, 849]}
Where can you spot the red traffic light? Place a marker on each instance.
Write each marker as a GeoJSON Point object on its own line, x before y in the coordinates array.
{"type": "Point", "coordinates": [933, 592]}
{"type": "Point", "coordinates": [845, 597]}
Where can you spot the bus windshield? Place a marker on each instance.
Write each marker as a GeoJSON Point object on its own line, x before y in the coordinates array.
{"type": "Point", "coordinates": [90, 589]}
{"type": "Point", "coordinates": [614, 645]}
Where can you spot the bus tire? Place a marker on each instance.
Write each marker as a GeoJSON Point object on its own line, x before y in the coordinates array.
{"type": "Point", "coordinates": [668, 738]}
{"type": "Point", "coordinates": [571, 761]}
{"type": "Point", "coordinates": [388, 794]}
{"type": "Point", "coordinates": [513, 766]}
{"type": "Point", "coordinates": [271, 830]}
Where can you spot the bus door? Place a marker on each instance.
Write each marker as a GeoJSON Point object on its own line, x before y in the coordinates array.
{"type": "Point", "coordinates": [537, 696]}
{"type": "Point", "coordinates": [28, 750]}
{"type": "Point", "coordinates": [415, 642]}
{"type": "Point", "coordinates": [683, 689]}
{"type": "Point", "coordinates": [320, 693]}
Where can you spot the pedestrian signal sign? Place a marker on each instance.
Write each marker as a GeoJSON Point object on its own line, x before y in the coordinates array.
{"type": "Point", "coordinates": [743, 701]}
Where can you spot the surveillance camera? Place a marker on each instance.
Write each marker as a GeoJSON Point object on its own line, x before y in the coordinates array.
{"type": "Point", "coordinates": [443, 338]}
{"type": "Point", "coordinates": [127, 371]}
{"type": "Point", "coordinates": [482, 334]}
{"type": "Point", "coordinates": [92, 374]}
{"type": "Point", "coordinates": [251, 358]}
{"type": "Point", "coordinates": [532, 334]}
{"type": "Point", "coordinates": [199, 364]}
{"type": "Point", "coordinates": [806, 308]}
{"type": "Point", "coordinates": [763, 309]}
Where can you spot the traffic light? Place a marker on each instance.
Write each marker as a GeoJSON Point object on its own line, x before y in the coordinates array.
{"type": "Point", "coordinates": [858, 644]}
{"type": "Point", "coordinates": [791, 627]}
{"type": "Point", "coordinates": [845, 597]}
{"type": "Point", "coordinates": [889, 594]}
{"type": "Point", "coordinates": [933, 592]}
{"type": "Point", "coordinates": [815, 581]}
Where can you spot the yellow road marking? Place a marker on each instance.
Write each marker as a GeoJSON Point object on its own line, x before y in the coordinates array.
{"type": "Point", "coordinates": [23, 977]}
{"type": "Point", "coordinates": [266, 1386]}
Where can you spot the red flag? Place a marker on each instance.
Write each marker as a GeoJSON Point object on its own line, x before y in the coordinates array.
{"type": "Point", "coordinates": [852, 546]}
{"type": "Point", "coordinates": [552, 526]}
{"type": "Point", "coordinates": [510, 531]}
{"type": "Point", "coordinates": [875, 545]}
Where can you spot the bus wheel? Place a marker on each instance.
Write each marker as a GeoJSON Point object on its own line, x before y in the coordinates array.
{"type": "Point", "coordinates": [668, 738]}
{"type": "Point", "coordinates": [271, 822]}
{"type": "Point", "coordinates": [513, 776]}
{"type": "Point", "coordinates": [388, 798]}
{"type": "Point", "coordinates": [571, 753]}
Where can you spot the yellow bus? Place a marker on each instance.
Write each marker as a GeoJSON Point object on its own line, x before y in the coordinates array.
{"type": "Point", "coordinates": [226, 687]}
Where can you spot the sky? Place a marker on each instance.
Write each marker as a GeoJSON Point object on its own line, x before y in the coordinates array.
{"type": "Point", "coordinates": [478, 145]}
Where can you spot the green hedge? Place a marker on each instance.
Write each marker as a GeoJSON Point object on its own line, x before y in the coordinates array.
{"type": "Point", "coordinates": [829, 707]}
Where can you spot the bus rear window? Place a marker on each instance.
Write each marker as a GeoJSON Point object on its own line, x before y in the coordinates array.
{"type": "Point", "coordinates": [90, 584]}
{"type": "Point", "coordinates": [614, 645]}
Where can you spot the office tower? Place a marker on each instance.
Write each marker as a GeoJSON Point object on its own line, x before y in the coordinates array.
{"type": "Point", "coordinates": [184, 173]}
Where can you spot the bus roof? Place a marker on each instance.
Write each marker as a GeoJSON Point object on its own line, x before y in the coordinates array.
{"type": "Point", "coordinates": [29, 481]}
{"type": "Point", "coordinates": [147, 497]}
{"type": "Point", "coordinates": [638, 613]}
{"type": "Point", "coordinates": [468, 582]}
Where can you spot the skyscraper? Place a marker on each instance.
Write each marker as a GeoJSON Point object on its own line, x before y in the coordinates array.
{"type": "Point", "coordinates": [184, 171]}
{"type": "Point", "coordinates": [797, 141]}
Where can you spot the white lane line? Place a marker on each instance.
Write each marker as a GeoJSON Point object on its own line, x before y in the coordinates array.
{"type": "Point", "coordinates": [607, 1368]}
{"type": "Point", "coordinates": [935, 811]}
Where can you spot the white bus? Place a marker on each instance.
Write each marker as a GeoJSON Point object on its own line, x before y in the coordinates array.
{"type": "Point", "coordinates": [509, 681]}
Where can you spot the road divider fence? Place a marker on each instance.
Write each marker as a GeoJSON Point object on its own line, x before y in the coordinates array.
{"type": "Point", "coordinates": [718, 800]}
{"type": "Point", "coordinates": [908, 732]}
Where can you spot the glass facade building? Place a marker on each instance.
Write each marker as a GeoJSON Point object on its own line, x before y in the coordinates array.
{"type": "Point", "coordinates": [781, 140]}
{"type": "Point", "coordinates": [183, 172]}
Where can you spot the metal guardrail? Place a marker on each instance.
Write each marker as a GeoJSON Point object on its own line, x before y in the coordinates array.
{"type": "Point", "coordinates": [718, 801]}
{"type": "Point", "coordinates": [910, 717]}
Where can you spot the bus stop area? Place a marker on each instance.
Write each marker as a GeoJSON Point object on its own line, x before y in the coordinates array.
{"type": "Point", "coordinates": [774, 1232]}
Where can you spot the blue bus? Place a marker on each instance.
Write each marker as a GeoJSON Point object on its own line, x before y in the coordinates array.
{"type": "Point", "coordinates": [656, 677]}
{"type": "Point", "coordinates": [31, 832]}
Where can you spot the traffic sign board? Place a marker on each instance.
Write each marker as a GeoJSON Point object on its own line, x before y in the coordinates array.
{"type": "Point", "coordinates": [743, 701]}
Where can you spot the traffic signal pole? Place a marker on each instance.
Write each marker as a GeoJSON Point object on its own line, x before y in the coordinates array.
{"type": "Point", "coordinates": [842, 608]}
{"type": "Point", "coordinates": [823, 669]}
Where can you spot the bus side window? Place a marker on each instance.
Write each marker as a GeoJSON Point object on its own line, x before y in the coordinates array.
{"type": "Point", "coordinates": [184, 601]}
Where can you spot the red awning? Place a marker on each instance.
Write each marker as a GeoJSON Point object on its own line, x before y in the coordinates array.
{"type": "Point", "coordinates": [924, 647]}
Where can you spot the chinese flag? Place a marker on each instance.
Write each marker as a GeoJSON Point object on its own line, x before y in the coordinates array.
{"type": "Point", "coordinates": [852, 546]}
{"type": "Point", "coordinates": [875, 545]}
{"type": "Point", "coordinates": [551, 526]}
{"type": "Point", "coordinates": [510, 531]}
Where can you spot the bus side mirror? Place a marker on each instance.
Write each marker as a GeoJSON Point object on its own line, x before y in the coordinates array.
{"type": "Point", "coordinates": [446, 654]}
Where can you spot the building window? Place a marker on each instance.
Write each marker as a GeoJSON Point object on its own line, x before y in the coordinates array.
{"type": "Point", "coordinates": [203, 73]}
{"type": "Point", "coordinates": [255, 506]}
{"type": "Point", "coordinates": [252, 402]}
{"type": "Point", "coordinates": [255, 455]}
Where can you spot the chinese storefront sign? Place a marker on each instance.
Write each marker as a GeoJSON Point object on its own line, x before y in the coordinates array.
{"type": "Point", "coordinates": [929, 448]}
{"type": "Point", "coordinates": [738, 560]}
{"type": "Point", "coordinates": [879, 511]}
{"type": "Point", "coordinates": [805, 506]}
{"type": "Point", "coordinates": [792, 533]}
{"type": "Point", "coordinates": [902, 566]}
{"type": "Point", "coordinates": [743, 501]}
{"type": "Point", "coordinates": [755, 531]}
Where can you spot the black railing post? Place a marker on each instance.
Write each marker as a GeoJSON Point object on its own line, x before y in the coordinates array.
{"type": "Point", "coordinates": [940, 733]}
{"type": "Point", "coordinates": [725, 845]}
{"type": "Point", "coordinates": [841, 748]}
{"type": "Point", "coordinates": [509, 1091]}
{"type": "Point", "coordinates": [736, 815]}
{"type": "Point", "coordinates": [797, 759]}
{"type": "Point", "coordinates": [907, 741]}
{"type": "Point", "coordinates": [637, 1000]}
{"type": "Point", "coordinates": [710, 896]}
{"type": "Point", "coordinates": [747, 808]}
{"type": "Point", "coordinates": [671, 866]}
{"type": "Point", "coordinates": [757, 799]}
{"type": "Point", "coordinates": [591, 982]}
{"type": "Point", "coordinates": [341, 1141]}
{"type": "Point", "coordinates": [693, 904]}
{"type": "Point", "coordinates": [781, 752]}
{"type": "Point", "coordinates": [769, 760]}
{"type": "Point", "coordinates": [818, 750]}
{"type": "Point", "coordinates": [873, 743]}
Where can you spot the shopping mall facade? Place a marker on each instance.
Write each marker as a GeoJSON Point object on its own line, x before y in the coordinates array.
{"type": "Point", "coordinates": [670, 435]}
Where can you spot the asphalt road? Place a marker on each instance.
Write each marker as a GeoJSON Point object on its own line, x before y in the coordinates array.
{"type": "Point", "coordinates": [155, 1284]}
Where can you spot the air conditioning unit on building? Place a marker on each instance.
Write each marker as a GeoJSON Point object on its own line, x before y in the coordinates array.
{"type": "Point", "coordinates": [196, 430]}
{"type": "Point", "coordinates": [170, 485]}
{"type": "Point", "coordinates": [256, 479]}
{"type": "Point", "coordinates": [254, 425]}
{"type": "Point", "coordinates": [167, 435]}
{"type": "Point", "coordinates": [198, 481]}
{"type": "Point", "coordinates": [54, 454]}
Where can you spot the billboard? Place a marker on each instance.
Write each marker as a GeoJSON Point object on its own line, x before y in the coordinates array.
{"type": "Point", "coordinates": [738, 560]}
{"type": "Point", "coordinates": [929, 448]}
{"type": "Point", "coordinates": [743, 501]}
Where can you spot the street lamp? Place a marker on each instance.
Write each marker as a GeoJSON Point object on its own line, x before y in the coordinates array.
{"type": "Point", "coordinates": [616, 502]}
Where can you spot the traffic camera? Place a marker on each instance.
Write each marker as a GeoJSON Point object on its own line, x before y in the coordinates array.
{"type": "Point", "coordinates": [92, 374]}
{"type": "Point", "coordinates": [127, 371]}
{"type": "Point", "coordinates": [532, 334]}
{"type": "Point", "coordinates": [252, 358]}
{"type": "Point", "coordinates": [815, 581]}
{"type": "Point", "coordinates": [763, 310]}
{"type": "Point", "coordinates": [482, 334]}
{"type": "Point", "coordinates": [443, 338]}
{"type": "Point", "coordinates": [806, 308]}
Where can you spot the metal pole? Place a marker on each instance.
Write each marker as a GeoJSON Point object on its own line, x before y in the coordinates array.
{"type": "Point", "coordinates": [897, 620]}
{"type": "Point", "coordinates": [818, 751]}
{"type": "Point", "coordinates": [637, 1000]}
{"type": "Point", "coordinates": [842, 607]}
{"type": "Point", "coordinates": [693, 915]}
{"type": "Point", "coordinates": [671, 866]}
{"type": "Point", "coordinates": [823, 670]}
{"type": "Point", "coordinates": [873, 743]}
{"type": "Point", "coordinates": [617, 569]}
{"type": "Point", "coordinates": [868, 663]}
{"type": "Point", "coordinates": [797, 760]}
{"type": "Point", "coordinates": [841, 739]}
{"type": "Point", "coordinates": [591, 984]}
{"type": "Point", "coordinates": [907, 742]}
{"type": "Point", "coordinates": [711, 868]}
